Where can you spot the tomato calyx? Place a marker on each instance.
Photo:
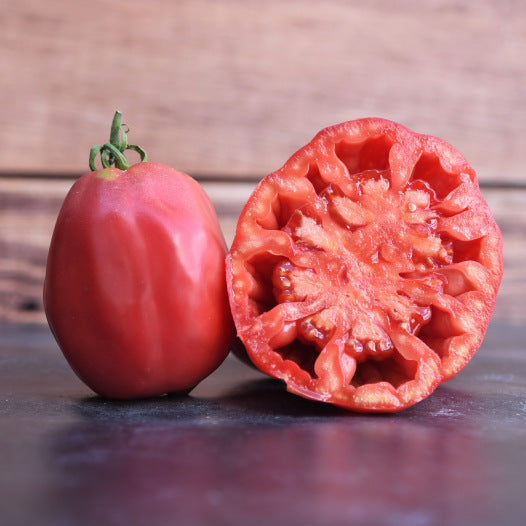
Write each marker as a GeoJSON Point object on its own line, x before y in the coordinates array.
{"type": "Point", "coordinates": [112, 152]}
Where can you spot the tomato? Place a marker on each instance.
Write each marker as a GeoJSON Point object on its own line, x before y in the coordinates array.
{"type": "Point", "coordinates": [134, 289]}
{"type": "Point", "coordinates": [364, 272]}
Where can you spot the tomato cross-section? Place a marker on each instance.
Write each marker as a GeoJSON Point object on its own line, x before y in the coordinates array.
{"type": "Point", "coordinates": [364, 272]}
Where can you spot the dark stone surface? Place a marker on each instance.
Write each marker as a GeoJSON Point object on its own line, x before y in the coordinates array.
{"type": "Point", "coordinates": [241, 450]}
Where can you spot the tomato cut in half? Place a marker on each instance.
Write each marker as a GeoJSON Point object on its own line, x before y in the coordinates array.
{"type": "Point", "coordinates": [364, 272]}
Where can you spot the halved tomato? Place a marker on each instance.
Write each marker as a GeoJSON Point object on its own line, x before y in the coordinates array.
{"type": "Point", "coordinates": [364, 272]}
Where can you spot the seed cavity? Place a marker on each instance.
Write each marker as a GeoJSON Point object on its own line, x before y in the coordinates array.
{"type": "Point", "coordinates": [379, 281]}
{"type": "Point", "coordinates": [361, 350]}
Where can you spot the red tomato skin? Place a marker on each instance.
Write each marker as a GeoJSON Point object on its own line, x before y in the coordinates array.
{"type": "Point", "coordinates": [134, 290]}
{"type": "Point", "coordinates": [255, 238]}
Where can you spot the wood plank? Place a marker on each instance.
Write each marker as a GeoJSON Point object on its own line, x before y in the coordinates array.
{"type": "Point", "coordinates": [231, 88]}
{"type": "Point", "coordinates": [28, 210]}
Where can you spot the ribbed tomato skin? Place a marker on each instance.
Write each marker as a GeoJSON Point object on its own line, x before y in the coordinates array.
{"type": "Point", "coordinates": [134, 290]}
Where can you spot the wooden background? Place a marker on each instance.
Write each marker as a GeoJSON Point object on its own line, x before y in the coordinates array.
{"type": "Point", "coordinates": [228, 90]}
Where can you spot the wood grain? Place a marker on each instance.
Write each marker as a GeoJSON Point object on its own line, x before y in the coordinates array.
{"type": "Point", "coordinates": [28, 209]}
{"type": "Point", "coordinates": [235, 88]}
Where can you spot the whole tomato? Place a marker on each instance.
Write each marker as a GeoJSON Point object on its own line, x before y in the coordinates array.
{"type": "Point", "coordinates": [364, 272]}
{"type": "Point", "coordinates": [134, 290]}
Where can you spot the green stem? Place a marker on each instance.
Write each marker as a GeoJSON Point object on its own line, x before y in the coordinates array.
{"type": "Point", "coordinates": [112, 153]}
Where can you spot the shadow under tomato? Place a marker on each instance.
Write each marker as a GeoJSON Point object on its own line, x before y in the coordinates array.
{"type": "Point", "coordinates": [174, 409]}
{"type": "Point", "coordinates": [265, 401]}
{"type": "Point", "coordinates": [267, 398]}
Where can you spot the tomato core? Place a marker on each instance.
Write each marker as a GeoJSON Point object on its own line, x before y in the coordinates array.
{"type": "Point", "coordinates": [340, 231]}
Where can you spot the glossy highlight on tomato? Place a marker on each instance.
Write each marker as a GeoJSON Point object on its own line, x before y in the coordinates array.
{"type": "Point", "coordinates": [134, 289]}
{"type": "Point", "coordinates": [364, 272]}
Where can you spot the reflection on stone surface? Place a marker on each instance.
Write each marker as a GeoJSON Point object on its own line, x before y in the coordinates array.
{"type": "Point", "coordinates": [260, 452]}
{"type": "Point", "coordinates": [241, 450]}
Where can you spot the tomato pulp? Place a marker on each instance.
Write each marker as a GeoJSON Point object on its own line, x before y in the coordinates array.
{"type": "Point", "coordinates": [364, 272]}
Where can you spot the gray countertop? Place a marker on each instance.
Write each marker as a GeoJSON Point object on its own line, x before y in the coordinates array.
{"type": "Point", "coordinates": [241, 450]}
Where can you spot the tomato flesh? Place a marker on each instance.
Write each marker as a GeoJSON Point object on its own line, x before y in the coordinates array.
{"type": "Point", "coordinates": [364, 272]}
